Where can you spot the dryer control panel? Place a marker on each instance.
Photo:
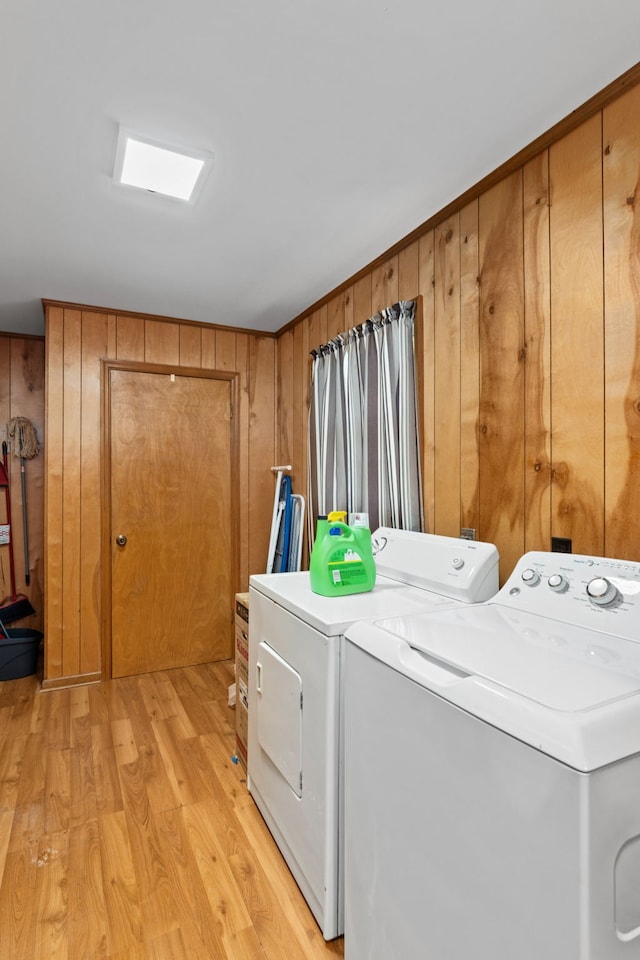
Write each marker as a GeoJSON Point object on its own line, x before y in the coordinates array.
{"type": "Point", "coordinates": [595, 592]}
{"type": "Point", "coordinates": [457, 569]}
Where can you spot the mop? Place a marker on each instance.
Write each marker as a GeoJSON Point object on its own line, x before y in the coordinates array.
{"type": "Point", "coordinates": [25, 445]}
{"type": "Point", "coordinates": [16, 606]}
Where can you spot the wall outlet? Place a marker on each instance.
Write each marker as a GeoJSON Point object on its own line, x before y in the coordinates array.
{"type": "Point", "coordinates": [561, 545]}
{"type": "Point", "coordinates": [467, 533]}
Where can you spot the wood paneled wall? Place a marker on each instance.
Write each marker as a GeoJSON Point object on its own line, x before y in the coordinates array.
{"type": "Point", "coordinates": [530, 360]}
{"type": "Point", "coordinates": [22, 395]}
{"type": "Point", "coordinates": [77, 339]}
{"type": "Point", "coordinates": [530, 380]}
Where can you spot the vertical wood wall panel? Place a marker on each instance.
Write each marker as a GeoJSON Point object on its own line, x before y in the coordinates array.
{"type": "Point", "coordinates": [537, 322]}
{"type": "Point", "coordinates": [447, 377]}
{"type": "Point", "coordinates": [305, 384]}
{"type": "Point", "coordinates": [112, 335]}
{"type": "Point", "coordinates": [323, 324]}
{"type": "Point", "coordinates": [362, 300]}
{"type": "Point", "coordinates": [409, 272]}
{"type": "Point", "coordinates": [190, 346]}
{"type": "Point", "coordinates": [53, 492]}
{"type": "Point", "coordinates": [285, 400]}
{"type": "Point", "coordinates": [335, 317]}
{"type": "Point", "coordinates": [469, 367]}
{"type": "Point", "coordinates": [225, 350]}
{"type": "Point", "coordinates": [161, 342]}
{"type": "Point", "coordinates": [262, 447]}
{"type": "Point", "coordinates": [94, 344]}
{"type": "Point", "coordinates": [27, 400]}
{"type": "Point", "coordinates": [426, 383]}
{"type": "Point", "coordinates": [130, 339]}
{"type": "Point", "coordinates": [298, 420]}
{"type": "Point", "coordinates": [77, 340]}
{"type": "Point", "coordinates": [348, 312]}
{"type": "Point", "coordinates": [13, 468]}
{"type": "Point", "coordinates": [5, 414]}
{"type": "Point", "coordinates": [502, 355]}
{"type": "Point", "coordinates": [242, 365]}
{"type": "Point", "coordinates": [315, 337]}
{"type": "Point", "coordinates": [384, 286]}
{"type": "Point", "coordinates": [621, 139]}
{"type": "Point", "coordinates": [22, 395]}
{"type": "Point", "coordinates": [27, 396]}
{"type": "Point", "coordinates": [299, 399]}
{"type": "Point", "coordinates": [5, 379]}
{"type": "Point", "coordinates": [72, 490]}
{"type": "Point", "coordinates": [208, 349]}
{"type": "Point", "coordinates": [577, 371]}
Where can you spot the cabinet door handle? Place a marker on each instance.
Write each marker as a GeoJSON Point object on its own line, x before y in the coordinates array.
{"type": "Point", "coordinates": [259, 677]}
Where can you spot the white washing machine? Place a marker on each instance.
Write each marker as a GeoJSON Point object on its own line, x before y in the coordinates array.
{"type": "Point", "coordinates": [492, 773]}
{"type": "Point", "coordinates": [295, 763]}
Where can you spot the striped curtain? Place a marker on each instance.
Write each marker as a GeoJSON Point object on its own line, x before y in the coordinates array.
{"type": "Point", "coordinates": [363, 436]}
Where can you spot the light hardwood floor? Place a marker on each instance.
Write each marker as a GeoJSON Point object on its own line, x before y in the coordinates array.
{"type": "Point", "coordinates": [127, 832]}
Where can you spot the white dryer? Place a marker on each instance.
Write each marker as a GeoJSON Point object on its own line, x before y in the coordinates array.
{"type": "Point", "coordinates": [493, 806]}
{"type": "Point", "coordinates": [295, 762]}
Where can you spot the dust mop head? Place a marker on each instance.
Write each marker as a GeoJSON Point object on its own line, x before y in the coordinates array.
{"type": "Point", "coordinates": [24, 439]}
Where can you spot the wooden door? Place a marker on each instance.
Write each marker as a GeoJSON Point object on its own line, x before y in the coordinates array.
{"type": "Point", "coordinates": [170, 445]}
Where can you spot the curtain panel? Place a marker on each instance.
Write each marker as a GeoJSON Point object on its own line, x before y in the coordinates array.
{"type": "Point", "coordinates": [363, 432]}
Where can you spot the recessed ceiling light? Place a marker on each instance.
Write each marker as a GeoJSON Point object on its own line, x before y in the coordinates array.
{"type": "Point", "coordinates": [159, 167]}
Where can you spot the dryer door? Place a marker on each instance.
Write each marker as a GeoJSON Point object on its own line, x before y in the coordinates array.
{"type": "Point", "coordinates": [279, 714]}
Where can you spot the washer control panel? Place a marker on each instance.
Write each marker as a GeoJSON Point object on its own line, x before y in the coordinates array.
{"type": "Point", "coordinates": [597, 592]}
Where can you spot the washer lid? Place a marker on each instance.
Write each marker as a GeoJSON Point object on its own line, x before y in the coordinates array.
{"type": "Point", "coordinates": [571, 692]}
{"type": "Point", "coordinates": [556, 665]}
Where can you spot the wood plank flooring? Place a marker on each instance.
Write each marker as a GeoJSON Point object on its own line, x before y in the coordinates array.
{"type": "Point", "coordinates": [127, 832]}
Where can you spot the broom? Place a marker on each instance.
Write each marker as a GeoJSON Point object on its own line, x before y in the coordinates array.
{"type": "Point", "coordinates": [16, 606]}
{"type": "Point", "coordinates": [25, 445]}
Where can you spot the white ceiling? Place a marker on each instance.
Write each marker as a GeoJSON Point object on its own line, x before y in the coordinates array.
{"type": "Point", "coordinates": [338, 126]}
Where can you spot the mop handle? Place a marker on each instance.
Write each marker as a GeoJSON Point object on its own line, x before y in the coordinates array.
{"type": "Point", "coordinates": [25, 526]}
{"type": "Point", "coordinates": [12, 570]}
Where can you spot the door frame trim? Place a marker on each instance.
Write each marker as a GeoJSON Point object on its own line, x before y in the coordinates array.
{"type": "Point", "coordinates": [106, 366]}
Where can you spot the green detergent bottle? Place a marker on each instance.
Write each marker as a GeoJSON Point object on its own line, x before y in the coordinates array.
{"type": "Point", "coordinates": [341, 560]}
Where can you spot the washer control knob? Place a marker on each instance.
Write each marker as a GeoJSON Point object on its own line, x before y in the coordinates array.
{"type": "Point", "coordinates": [558, 583]}
{"type": "Point", "coordinates": [601, 591]}
{"type": "Point", "coordinates": [457, 563]}
{"type": "Point", "coordinates": [530, 577]}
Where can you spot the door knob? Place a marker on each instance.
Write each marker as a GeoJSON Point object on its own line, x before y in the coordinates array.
{"type": "Point", "coordinates": [121, 539]}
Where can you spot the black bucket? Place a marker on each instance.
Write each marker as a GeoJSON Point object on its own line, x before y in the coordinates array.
{"type": "Point", "coordinates": [19, 654]}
